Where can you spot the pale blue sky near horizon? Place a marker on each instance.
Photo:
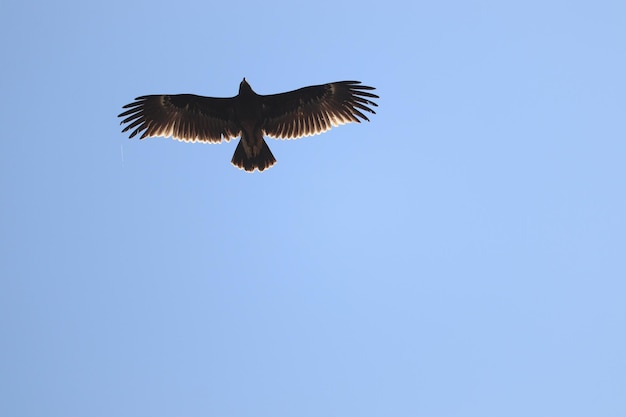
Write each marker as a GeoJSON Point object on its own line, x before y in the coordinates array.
{"type": "Point", "coordinates": [463, 254]}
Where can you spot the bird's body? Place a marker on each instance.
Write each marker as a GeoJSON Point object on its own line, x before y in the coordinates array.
{"type": "Point", "coordinates": [304, 112]}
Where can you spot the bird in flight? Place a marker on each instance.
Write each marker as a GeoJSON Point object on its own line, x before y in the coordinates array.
{"type": "Point", "coordinates": [251, 116]}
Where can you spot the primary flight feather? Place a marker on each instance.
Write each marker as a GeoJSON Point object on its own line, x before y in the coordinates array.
{"type": "Point", "coordinates": [304, 112]}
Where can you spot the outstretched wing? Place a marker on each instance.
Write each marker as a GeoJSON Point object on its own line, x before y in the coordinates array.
{"type": "Point", "coordinates": [185, 117]}
{"type": "Point", "coordinates": [315, 109]}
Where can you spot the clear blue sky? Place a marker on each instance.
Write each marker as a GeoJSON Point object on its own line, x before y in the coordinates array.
{"type": "Point", "coordinates": [464, 254]}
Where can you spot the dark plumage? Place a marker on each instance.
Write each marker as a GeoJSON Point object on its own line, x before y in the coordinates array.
{"type": "Point", "coordinates": [304, 112]}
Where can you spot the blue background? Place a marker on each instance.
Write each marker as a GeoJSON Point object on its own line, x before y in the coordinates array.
{"type": "Point", "coordinates": [461, 255]}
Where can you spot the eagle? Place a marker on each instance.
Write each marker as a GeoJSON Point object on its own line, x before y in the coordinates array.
{"type": "Point", "coordinates": [304, 112]}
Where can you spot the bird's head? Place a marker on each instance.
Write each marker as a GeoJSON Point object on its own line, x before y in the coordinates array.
{"type": "Point", "coordinates": [244, 87]}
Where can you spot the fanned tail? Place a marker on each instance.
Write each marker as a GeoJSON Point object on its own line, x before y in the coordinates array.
{"type": "Point", "coordinates": [251, 155]}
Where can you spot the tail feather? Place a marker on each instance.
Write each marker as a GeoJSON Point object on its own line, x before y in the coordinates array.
{"type": "Point", "coordinates": [260, 158]}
